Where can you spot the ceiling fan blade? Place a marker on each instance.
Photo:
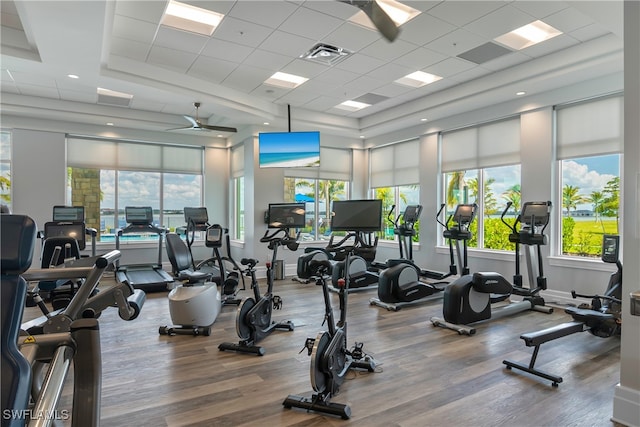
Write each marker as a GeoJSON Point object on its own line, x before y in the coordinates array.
{"type": "Point", "coordinates": [378, 16]}
{"type": "Point", "coordinates": [218, 128]}
{"type": "Point", "coordinates": [193, 121]}
{"type": "Point", "coordinates": [181, 128]}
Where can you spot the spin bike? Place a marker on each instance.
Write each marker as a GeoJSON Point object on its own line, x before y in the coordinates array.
{"type": "Point", "coordinates": [253, 319]}
{"type": "Point", "coordinates": [330, 358]}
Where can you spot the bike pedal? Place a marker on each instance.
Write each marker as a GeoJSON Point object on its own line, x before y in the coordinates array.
{"type": "Point", "coordinates": [277, 302]}
{"type": "Point", "coordinates": [308, 345]}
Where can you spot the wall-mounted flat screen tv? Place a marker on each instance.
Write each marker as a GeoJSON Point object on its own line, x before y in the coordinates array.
{"type": "Point", "coordinates": [289, 149]}
{"type": "Point", "coordinates": [356, 215]}
{"type": "Point", "coordinates": [286, 215]}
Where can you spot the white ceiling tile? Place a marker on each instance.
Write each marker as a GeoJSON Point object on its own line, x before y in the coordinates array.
{"type": "Point", "coordinates": [133, 29]}
{"type": "Point", "coordinates": [287, 44]}
{"type": "Point", "coordinates": [420, 58]}
{"type": "Point", "coordinates": [21, 77]}
{"type": "Point", "coordinates": [390, 72]}
{"type": "Point", "coordinates": [351, 37]}
{"type": "Point", "coordinates": [129, 49]}
{"type": "Point", "coordinates": [588, 32]}
{"type": "Point", "coordinates": [450, 67]}
{"type": "Point", "coordinates": [506, 61]}
{"type": "Point", "coordinates": [246, 79]}
{"type": "Point", "coordinates": [300, 67]}
{"type": "Point", "coordinates": [270, 14]}
{"type": "Point", "coordinates": [225, 50]}
{"type": "Point", "coordinates": [499, 22]}
{"type": "Point", "coordinates": [211, 70]}
{"type": "Point", "coordinates": [242, 32]}
{"type": "Point", "coordinates": [37, 90]}
{"type": "Point", "coordinates": [180, 40]}
{"type": "Point", "coordinates": [298, 97]}
{"type": "Point", "coordinates": [456, 42]}
{"type": "Point", "coordinates": [324, 103]}
{"type": "Point", "coordinates": [540, 9]}
{"type": "Point", "coordinates": [424, 28]}
{"type": "Point", "coordinates": [336, 76]}
{"type": "Point", "coordinates": [393, 89]}
{"type": "Point", "coordinates": [462, 12]}
{"type": "Point", "coordinates": [72, 95]}
{"type": "Point", "coordinates": [548, 46]}
{"type": "Point", "coordinates": [359, 63]}
{"type": "Point", "coordinates": [568, 20]}
{"type": "Point", "coordinates": [386, 51]}
{"type": "Point", "coordinates": [144, 10]}
{"type": "Point", "coordinates": [170, 58]}
{"type": "Point", "coordinates": [311, 24]}
{"type": "Point", "coordinates": [270, 60]}
{"type": "Point", "coordinates": [339, 10]}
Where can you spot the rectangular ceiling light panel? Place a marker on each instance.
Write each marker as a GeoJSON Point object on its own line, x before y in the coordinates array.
{"type": "Point", "coordinates": [190, 18]}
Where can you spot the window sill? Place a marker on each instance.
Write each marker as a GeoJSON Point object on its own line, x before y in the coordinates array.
{"type": "Point", "coordinates": [481, 253]}
{"type": "Point", "coordinates": [581, 263]}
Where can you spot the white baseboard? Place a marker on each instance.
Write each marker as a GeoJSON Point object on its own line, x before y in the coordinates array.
{"type": "Point", "coordinates": [626, 406]}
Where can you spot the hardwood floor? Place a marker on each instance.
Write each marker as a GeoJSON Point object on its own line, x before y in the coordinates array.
{"type": "Point", "coordinates": [426, 376]}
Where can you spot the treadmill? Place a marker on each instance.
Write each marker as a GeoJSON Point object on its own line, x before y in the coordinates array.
{"type": "Point", "coordinates": [147, 277]}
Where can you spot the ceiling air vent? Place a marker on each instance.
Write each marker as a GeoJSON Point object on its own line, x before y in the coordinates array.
{"type": "Point", "coordinates": [325, 54]}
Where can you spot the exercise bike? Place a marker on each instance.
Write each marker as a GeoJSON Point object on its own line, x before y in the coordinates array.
{"type": "Point", "coordinates": [400, 283]}
{"type": "Point", "coordinates": [253, 319]}
{"type": "Point", "coordinates": [468, 299]}
{"type": "Point", "coordinates": [603, 318]}
{"type": "Point", "coordinates": [331, 360]}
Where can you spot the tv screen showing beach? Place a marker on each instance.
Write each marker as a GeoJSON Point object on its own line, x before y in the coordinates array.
{"type": "Point", "coordinates": [289, 149]}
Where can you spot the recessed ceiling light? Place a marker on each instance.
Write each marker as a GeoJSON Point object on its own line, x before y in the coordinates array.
{"type": "Point", "coordinates": [285, 80]}
{"type": "Point", "coordinates": [190, 18]}
{"type": "Point", "coordinates": [109, 123]}
{"type": "Point", "coordinates": [418, 79]}
{"type": "Point", "coordinates": [352, 105]}
{"type": "Point", "coordinates": [266, 123]}
{"type": "Point", "coordinates": [521, 93]}
{"type": "Point", "coordinates": [361, 136]}
{"type": "Point", "coordinates": [424, 119]}
{"type": "Point", "coordinates": [73, 76]}
{"type": "Point", "coordinates": [528, 35]}
{"type": "Point", "coordinates": [398, 12]}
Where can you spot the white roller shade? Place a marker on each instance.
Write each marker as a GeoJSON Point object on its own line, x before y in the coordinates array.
{"type": "Point", "coordinates": [101, 154]}
{"type": "Point", "coordinates": [335, 164]}
{"type": "Point", "coordinates": [489, 145]}
{"type": "Point", "coordinates": [590, 128]}
{"type": "Point", "coordinates": [237, 161]}
{"type": "Point", "coordinates": [397, 164]}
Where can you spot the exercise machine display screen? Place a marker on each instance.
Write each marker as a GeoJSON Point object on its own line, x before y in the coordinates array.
{"type": "Point", "coordinates": [286, 215]}
{"type": "Point", "coordinates": [536, 212]}
{"type": "Point", "coordinates": [412, 213]}
{"type": "Point", "coordinates": [68, 213]}
{"type": "Point", "coordinates": [357, 215]}
{"type": "Point", "coordinates": [610, 248]}
{"type": "Point", "coordinates": [138, 215]}
{"type": "Point", "coordinates": [198, 215]}
{"type": "Point", "coordinates": [74, 230]}
{"type": "Point", "coordinates": [465, 213]}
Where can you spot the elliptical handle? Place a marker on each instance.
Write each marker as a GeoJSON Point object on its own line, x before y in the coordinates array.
{"type": "Point", "coordinates": [438, 217]}
{"type": "Point", "coordinates": [504, 212]}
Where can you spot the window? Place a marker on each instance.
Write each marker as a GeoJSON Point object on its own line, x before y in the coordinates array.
{"type": "Point", "coordinates": [481, 165]}
{"type": "Point", "coordinates": [318, 195]}
{"type": "Point", "coordinates": [393, 178]}
{"type": "Point", "coordinates": [106, 176]}
{"type": "Point", "coordinates": [400, 196]}
{"type": "Point", "coordinates": [589, 143]}
{"type": "Point", "coordinates": [5, 168]}
{"type": "Point", "coordinates": [237, 192]}
{"type": "Point", "coordinates": [318, 188]}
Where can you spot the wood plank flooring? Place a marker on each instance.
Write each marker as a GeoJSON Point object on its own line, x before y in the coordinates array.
{"type": "Point", "coordinates": [426, 376]}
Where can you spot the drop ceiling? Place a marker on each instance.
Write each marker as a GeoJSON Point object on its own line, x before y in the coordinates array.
{"type": "Point", "coordinates": [121, 46]}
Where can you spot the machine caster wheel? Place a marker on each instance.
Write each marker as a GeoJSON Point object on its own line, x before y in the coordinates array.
{"type": "Point", "coordinates": [554, 385]}
{"type": "Point", "coordinates": [162, 330]}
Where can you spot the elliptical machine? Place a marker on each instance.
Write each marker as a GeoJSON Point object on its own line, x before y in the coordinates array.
{"type": "Point", "coordinates": [468, 299]}
{"type": "Point", "coordinates": [253, 319]}
{"type": "Point", "coordinates": [400, 283]}
{"type": "Point", "coordinates": [331, 359]}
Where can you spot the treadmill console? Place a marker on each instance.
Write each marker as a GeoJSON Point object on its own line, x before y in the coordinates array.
{"type": "Point", "coordinates": [198, 216]}
{"type": "Point", "coordinates": [68, 213]}
{"type": "Point", "coordinates": [138, 215]}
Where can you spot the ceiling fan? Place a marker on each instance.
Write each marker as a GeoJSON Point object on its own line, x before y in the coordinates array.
{"type": "Point", "coordinates": [378, 16]}
{"type": "Point", "coordinates": [196, 124]}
